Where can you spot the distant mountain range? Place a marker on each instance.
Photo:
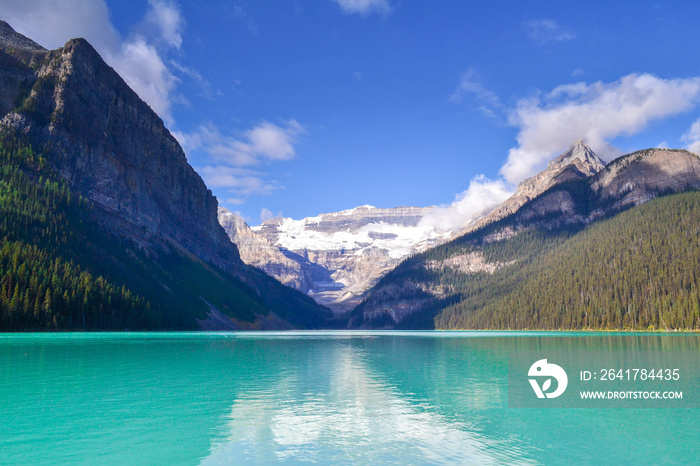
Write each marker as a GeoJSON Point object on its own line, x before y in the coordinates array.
{"type": "Point", "coordinates": [105, 226]}
{"type": "Point", "coordinates": [334, 257]}
{"type": "Point", "coordinates": [489, 274]}
{"type": "Point", "coordinates": [337, 257]}
{"type": "Point", "coordinates": [144, 230]}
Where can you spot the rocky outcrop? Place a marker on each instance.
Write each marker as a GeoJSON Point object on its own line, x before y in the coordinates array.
{"type": "Point", "coordinates": [643, 175]}
{"type": "Point", "coordinates": [257, 251]}
{"type": "Point", "coordinates": [627, 181]}
{"type": "Point", "coordinates": [578, 162]}
{"type": "Point", "coordinates": [472, 262]}
{"type": "Point", "coordinates": [571, 197]}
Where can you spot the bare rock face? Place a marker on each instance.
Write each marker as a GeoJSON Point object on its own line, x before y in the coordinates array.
{"type": "Point", "coordinates": [627, 181]}
{"type": "Point", "coordinates": [343, 254]}
{"type": "Point", "coordinates": [643, 175]}
{"type": "Point", "coordinates": [257, 251]}
{"type": "Point", "coordinates": [578, 162]}
{"type": "Point", "coordinates": [472, 262]}
{"type": "Point", "coordinates": [109, 145]}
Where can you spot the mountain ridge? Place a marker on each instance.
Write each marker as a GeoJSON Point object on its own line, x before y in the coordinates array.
{"type": "Point", "coordinates": [579, 161]}
{"type": "Point", "coordinates": [340, 255]}
{"type": "Point", "coordinates": [420, 290]}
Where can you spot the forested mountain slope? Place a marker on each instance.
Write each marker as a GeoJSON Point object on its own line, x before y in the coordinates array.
{"type": "Point", "coordinates": [105, 225]}
{"type": "Point", "coordinates": [583, 254]}
{"type": "Point", "coordinates": [60, 269]}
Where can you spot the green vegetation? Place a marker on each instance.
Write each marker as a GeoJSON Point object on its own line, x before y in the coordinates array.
{"type": "Point", "coordinates": [637, 271]}
{"type": "Point", "coordinates": [60, 270]}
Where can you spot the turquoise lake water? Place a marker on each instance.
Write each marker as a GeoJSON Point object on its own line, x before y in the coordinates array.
{"type": "Point", "coordinates": [324, 397]}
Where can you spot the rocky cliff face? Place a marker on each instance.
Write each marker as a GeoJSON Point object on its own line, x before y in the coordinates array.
{"type": "Point", "coordinates": [643, 175]}
{"type": "Point", "coordinates": [114, 150]}
{"type": "Point", "coordinates": [257, 251]}
{"type": "Point", "coordinates": [627, 181]}
{"type": "Point", "coordinates": [110, 146]}
{"type": "Point", "coordinates": [578, 162]}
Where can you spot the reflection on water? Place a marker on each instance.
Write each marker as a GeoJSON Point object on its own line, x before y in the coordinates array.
{"type": "Point", "coordinates": [355, 416]}
{"type": "Point", "coordinates": [326, 397]}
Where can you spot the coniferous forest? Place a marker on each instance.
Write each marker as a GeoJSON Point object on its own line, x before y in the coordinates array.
{"type": "Point", "coordinates": [637, 270]}
{"type": "Point", "coordinates": [59, 270]}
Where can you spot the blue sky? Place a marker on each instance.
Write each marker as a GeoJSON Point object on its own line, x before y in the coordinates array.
{"type": "Point", "coordinates": [298, 107]}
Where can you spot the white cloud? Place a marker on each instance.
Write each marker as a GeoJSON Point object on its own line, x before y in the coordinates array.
{"type": "Point", "coordinates": [143, 69]}
{"type": "Point", "coordinates": [139, 59]}
{"type": "Point", "coordinates": [239, 181]}
{"type": "Point", "coordinates": [230, 157]}
{"type": "Point", "coordinates": [273, 142]}
{"type": "Point", "coordinates": [166, 17]}
{"type": "Point", "coordinates": [547, 30]}
{"type": "Point", "coordinates": [264, 141]}
{"type": "Point", "coordinates": [692, 138]}
{"type": "Point", "coordinates": [266, 214]}
{"type": "Point", "coordinates": [364, 7]}
{"type": "Point", "coordinates": [470, 87]}
{"type": "Point", "coordinates": [597, 112]}
{"type": "Point", "coordinates": [482, 196]}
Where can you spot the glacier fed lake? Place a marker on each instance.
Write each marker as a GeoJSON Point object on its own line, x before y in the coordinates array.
{"type": "Point", "coordinates": [320, 397]}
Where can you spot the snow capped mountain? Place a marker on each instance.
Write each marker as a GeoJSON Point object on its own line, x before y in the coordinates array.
{"type": "Point", "coordinates": [336, 256]}
{"type": "Point", "coordinates": [398, 231]}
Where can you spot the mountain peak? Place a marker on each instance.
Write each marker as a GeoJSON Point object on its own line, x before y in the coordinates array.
{"type": "Point", "coordinates": [579, 161]}
{"type": "Point", "coordinates": [13, 39]}
{"type": "Point", "coordinates": [582, 156]}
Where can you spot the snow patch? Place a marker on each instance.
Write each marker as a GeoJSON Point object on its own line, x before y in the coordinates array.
{"type": "Point", "coordinates": [398, 240]}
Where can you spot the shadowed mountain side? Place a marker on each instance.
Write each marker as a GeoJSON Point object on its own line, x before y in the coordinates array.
{"type": "Point", "coordinates": [108, 145]}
